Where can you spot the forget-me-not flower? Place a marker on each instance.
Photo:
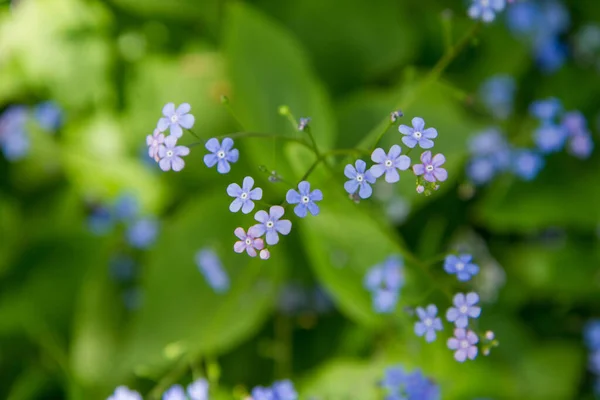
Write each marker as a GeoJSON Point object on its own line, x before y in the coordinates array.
{"type": "Point", "coordinates": [431, 167]}
{"type": "Point", "coordinates": [550, 137]}
{"type": "Point", "coordinates": [527, 164]}
{"type": "Point", "coordinates": [14, 140]}
{"type": "Point", "coordinates": [142, 233]}
{"type": "Point", "coordinates": [170, 155]}
{"type": "Point", "coordinates": [248, 241]}
{"type": "Point", "coordinates": [384, 282]}
{"type": "Point", "coordinates": [389, 164]}
{"type": "Point", "coordinates": [581, 145]}
{"type": "Point", "coordinates": [175, 119]}
{"type": "Point", "coordinates": [210, 265]}
{"type": "Point", "coordinates": [124, 393]}
{"type": "Point", "coordinates": [591, 334]}
{"type": "Point", "coordinates": [284, 390]}
{"type": "Point", "coordinates": [546, 110]}
{"type": "Point", "coordinates": [417, 134]}
{"type": "Point", "coordinates": [198, 390]}
{"type": "Point", "coordinates": [153, 142]}
{"type": "Point", "coordinates": [486, 10]}
{"type": "Point", "coordinates": [262, 393]}
{"type": "Point", "coordinates": [271, 224]}
{"type": "Point", "coordinates": [464, 342]}
{"type": "Point", "coordinates": [244, 195]}
{"type": "Point", "coordinates": [464, 308]}
{"type": "Point", "coordinates": [48, 115]}
{"type": "Point", "coordinates": [418, 387]}
{"type": "Point", "coordinates": [305, 199]}
{"type": "Point", "coordinates": [429, 322]}
{"type": "Point", "coordinates": [175, 392]}
{"type": "Point", "coordinates": [461, 265]}
{"type": "Point", "coordinates": [303, 123]}
{"type": "Point", "coordinates": [221, 154]}
{"type": "Point", "coordinates": [497, 94]}
{"type": "Point", "coordinates": [361, 179]}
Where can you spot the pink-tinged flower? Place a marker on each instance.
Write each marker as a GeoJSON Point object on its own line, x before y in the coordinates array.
{"type": "Point", "coordinates": [154, 141]}
{"type": "Point", "coordinates": [265, 254]}
{"type": "Point", "coordinates": [463, 342]}
{"type": "Point", "coordinates": [248, 241]}
{"type": "Point", "coordinates": [170, 155]}
{"type": "Point", "coordinates": [430, 169]}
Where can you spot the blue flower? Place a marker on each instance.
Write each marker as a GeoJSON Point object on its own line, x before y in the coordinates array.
{"type": "Point", "coordinates": [481, 170]}
{"type": "Point", "coordinates": [305, 199]}
{"type": "Point", "coordinates": [498, 94]}
{"type": "Point", "coordinates": [581, 145]}
{"type": "Point", "coordinates": [546, 110]}
{"type": "Point", "coordinates": [394, 377]}
{"type": "Point", "coordinates": [464, 308]}
{"type": "Point", "coordinates": [419, 387]}
{"type": "Point", "coordinates": [591, 333]}
{"type": "Point", "coordinates": [417, 134]}
{"type": "Point", "coordinates": [175, 119]}
{"type": "Point", "coordinates": [284, 390]}
{"type": "Point", "coordinates": [124, 393]}
{"type": "Point", "coordinates": [142, 233]}
{"type": "Point", "coordinates": [389, 164]}
{"type": "Point", "coordinates": [550, 138]}
{"type": "Point", "coordinates": [523, 18]}
{"type": "Point", "coordinates": [122, 268]}
{"type": "Point", "coordinates": [175, 392]}
{"type": "Point", "coordinates": [574, 123]}
{"type": "Point", "coordinates": [14, 140]}
{"type": "Point", "coordinates": [198, 390]}
{"type": "Point", "coordinates": [48, 115]}
{"type": "Point", "coordinates": [100, 221]}
{"type": "Point", "coordinates": [527, 164]}
{"type": "Point", "coordinates": [126, 207]}
{"type": "Point", "coordinates": [243, 195]}
{"type": "Point", "coordinates": [170, 155]}
{"type": "Point", "coordinates": [262, 393]}
{"type": "Point", "coordinates": [429, 323]}
{"type": "Point", "coordinates": [550, 54]}
{"type": "Point", "coordinates": [461, 266]}
{"type": "Point", "coordinates": [221, 155]}
{"type": "Point", "coordinates": [464, 343]}
{"type": "Point", "coordinates": [271, 224]}
{"type": "Point", "coordinates": [595, 362]}
{"type": "Point", "coordinates": [486, 10]}
{"type": "Point", "coordinates": [384, 300]}
{"type": "Point", "coordinates": [303, 123]}
{"type": "Point", "coordinates": [360, 179]}
{"type": "Point", "coordinates": [384, 282]}
{"type": "Point", "coordinates": [210, 266]}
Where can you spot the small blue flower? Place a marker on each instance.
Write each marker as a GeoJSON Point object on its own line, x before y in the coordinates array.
{"type": "Point", "coordinates": [581, 145]}
{"type": "Point", "coordinates": [170, 155]}
{"type": "Point", "coordinates": [546, 110]}
{"type": "Point", "coordinates": [100, 221]}
{"type": "Point", "coordinates": [243, 195]}
{"type": "Point", "coordinates": [527, 164]}
{"type": "Point", "coordinates": [48, 115]}
{"type": "Point", "coordinates": [210, 265]}
{"type": "Point", "coordinates": [221, 155]}
{"type": "Point", "coordinates": [14, 140]}
{"type": "Point", "coordinates": [523, 18]}
{"type": "Point", "coordinates": [198, 390]}
{"type": "Point", "coordinates": [175, 119]}
{"type": "Point", "coordinates": [384, 281]}
{"type": "Point", "coordinates": [429, 323]}
{"type": "Point", "coordinates": [389, 164]}
{"type": "Point", "coordinates": [360, 179]}
{"type": "Point", "coordinates": [461, 266]}
{"type": "Point", "coordinates": [142, 233]}
{"type": "Point", "coordinates": [262, 393]}
{"type": "Point", "coordinates": [124, 393]}
{"type": "Point", "coordinates": [418, 386]}
{"type": "Point", "coordinates": [284, 390]}
{"type": "Point", "coordinates": [384, 300]}
{"type": "Point", "coordinates": [175, 392]}
{"type": "Point", "coordinates": [591, 333]}
{"type": "Point", "coordinates": [305, 199]}
{"type": "Point", "coordinates": [491, 144]}
{"type": "Point", "coordinates": [464, 308]}
{"type": "Point", "coordinates": [574, 122]}
{"type": "Point", "coordinates": [464, 343]}
{"type": "Point", "coordinates": [394, 378]}
{"type": "Point", "coordinates": [486, 10]}
{"type": "Point", "coordinates": [303, 123]}
{"type": "Point", "coordinates": [497, 94]}
{"type": "Point", "coordinates": [271, 224]}
{"type": "Point", "coordinates": [417, 134]}
{"type": "Point", "coordinates": [126, 207]}
{"type": "Point", "coordinates": [550, 54]}
{"type": "Point", "coordinates": [481, 170]}
{"type": "Point", "coordinates": [550, 138]}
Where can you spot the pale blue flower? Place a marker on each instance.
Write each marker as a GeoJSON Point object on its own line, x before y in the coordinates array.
{"type": "Point", "coordinates": [271, 224]}
{"type": "Point", "coordinates": [198, 390]}
{"type": "Point", "coordinates": [210, 266]}
{"type": "Point", "coordinates": [124, 393]}
{"type": "Point", "coordinates": [527, 164]}
{"type": "Point", "coordinates": [221, 154]}
{"type": "Point", "coordinates": [361, 179]}
{"type": "Point", "coordinates": [305, 199]}
{"type": "Point", "coordinates": [170, 155]}
{"type": "Point", "coordinates": [429, 323]}
{"type": "Point", "coordinates": [48, 115]}
{"type": "Point", "coordinates": [175, 392]}
{"type": "Point", "coordinates": [175, 119]}
{"type": "Point", "coordinates": [464, 342]}
{"type": "Point", "coordinates": [462, 266]}
{"type": "Point", "coordinates": [142, 233]}
{"type": "Point", "coordinates": [243, 195]}
{"type": "Point", "coordinates": [417, 134]}
{"type": "Point", "coordinates": [389, 164]}
{"type": "Point", "coordinates": [284, 390]}
{"type": "Point", "coordinates": [486, 10]}
{"type": "Point", "coordinates": [464, 308]}
{"type": "Point", "coordinates": [262, 393]}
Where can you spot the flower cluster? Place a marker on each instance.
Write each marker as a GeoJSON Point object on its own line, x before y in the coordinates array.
{"type": "Point", "coordinates": [15, 127]}
{"type": "Point", "coordinates": [541, 23]}
{"type": "Point", "coordinates": [592, 341]}
{"type": "Point", "coordinates": [388, 165]}
{"type": "Point", "coordinates": [400, 385]}
{"type": "Point", "coordinates": [280, 390]}
{"type": "Point", "coordinates": [197, 390]}
{"type": "Point", "coordinates": [164, 150]}
{"type": "Point", "coordinates": [486, 10]}
{"type": "Point", "coordinates": [384, 281]}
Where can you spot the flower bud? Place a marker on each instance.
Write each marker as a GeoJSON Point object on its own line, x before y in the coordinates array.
{"type": "Point", "coordinates": [265, 254]}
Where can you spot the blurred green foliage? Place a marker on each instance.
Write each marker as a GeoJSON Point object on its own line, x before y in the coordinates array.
{"type": "Point", "coordinates": [65, 331]}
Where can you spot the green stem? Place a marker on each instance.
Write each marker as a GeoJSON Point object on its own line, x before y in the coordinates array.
{"type": "Point", "coordinates": [233, 114]}
{"type": "Point", "coordinates": [323, 156]}
{"type": "Point", "coordinates": [196, 136]}
{"type": "Point", "coordinates": [383, 132]}
{"type": "Point", "coordinates": [173, 376]}
{"type": "Point", "coordinates": [312, 140]}
{"type": "Point", "coordinates": [240, 135]}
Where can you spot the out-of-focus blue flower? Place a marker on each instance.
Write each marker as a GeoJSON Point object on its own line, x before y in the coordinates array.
{"type": "Point", "coordinates": [271, 224]}
{"type": "Point", "coordinates": [527, 164]}
{"type": "Point", "coordinates": [198, 390]}
{"type": "Point", "coordinates": [262, 393]}
{"type": "Point", "coordinates": [389, 163]}
{"type": "Point", "coordinates": [523, 17]}
{"type": "Point", "coordinates": [591, 334]}
{"type": "Point", "coordinates": [124, 393]}
{"type": "Point", "coordinates": [284, 390]}
{"type": "Point", "coordinates": [419, 387]}
{"type": "Point", "coordinates": [244, 195]}
{"type": "Point", "coordinates": [491, 144]}
{"type": "Point", "coordinates": [393, 378]}
{"type": "Point", "coordinates": [581, 145]}
{"type": "Point", "coordinates": [361, 179]}
{"type": "Point", "coordinates": [100, 221]}
{"type": "Point", "coordinates": [462, 266]}
{"type": "Point", "coordinates": [550, 138]}
{"type": "Point", "coordinates": [486, 10]}
{"type": "Point", "coordinates": [556, 18]}
{"type": "Point", "coordinates": [14, 140]}
{"type": "Point", "coordinates": [48, 115]}
{"type": "Point", "coordinates": [305, 199]}
{"type": "Point", "coordinates": [464, 308]}
{"type": "Point", "coordinates": [384, 281]}
{"type": "Point", "coordinates": [210, 265]}
{"type": "Point", "coordinates": [431, 168]}
{"type": "Point", "coordinates": [481, 170]}
{"type": "Point", "coordinates": [175, 392]}
{"type": "Point", "coordinates": [574, 122]}
{"type": "Point", "coordinates": [464, 342]}
{"type": "Point", "coordinates": [221, 154]}
{"type": "Point", "coordinates": [417, 134]}
{"type": "Point", "coordinates": [595, 362]}
{"type": "Point", "coordinates": [175, 119]}
{"type": "Point", "coordinates": [170, 155]}
{"type": "Point", "coordinates": [122, 268]}
{"type": "Point", "coordinates": [142, 233]}
{"type": "Point", "coordinates": [126, 207]}
{"type": "Point", "coordinates": [550, 54]}
{"type": "Point", "coordinates": [497, 94]}
{"type": "Point", "coordinates": [429, 322]}
{"type": "Point", "coordinates": [546, 110]}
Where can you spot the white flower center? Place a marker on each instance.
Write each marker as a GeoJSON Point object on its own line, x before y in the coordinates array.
{"type": "Point", "coordinates": [417, 135]}
{"type": "Point", "coordinates": [221, 154]}
{"type": "Point", "coordinates": [169, 153]}
{"type": "Point", "coordinates": [248, 241]}
{"type": "Point", "coordinates": [464, 309]}
{"type": "Point", "coordinates": [460, 266]}
{"type": "Point", "coordinates": [429, 168]}
{"type": "Point", "coordinates": [174, 118]}
{"type": "Point", "coordinates": [359, 178]}
{"type": "Point", "coordinates": [244, 196]}
{"type": "Point", "coordinates": [388, 163]}
{"type": "Point", "coordinates": [305, 199]}
{"type": "Point", "coordinates": [270, 224]}
{"type": "Point", "coordinates": [465, 344]}
{"type": "Point", "coordinates": [428, 322]}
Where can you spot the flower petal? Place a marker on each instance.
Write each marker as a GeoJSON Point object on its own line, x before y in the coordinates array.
{"type": "Point", "coordinates": [395, 151]}
{"type": "Point", "coordinates": [176, 130]}
{"type": "Point", "coordinates": [276, 212]}
{"type": "Point", "coordinates": [251, 251]}
{"type": "Point", "coordinates": [440, 174]}
{"type": "Point", "coordinates": [171, 141]}
{"type": "Point", "coordinates": [420, 329]}
{"type": "Point", "coordinates": [426, 157]}
{"type": "Point", "coordinates": [360, 166]}
{"type": "Point", "coordinates": [350, 186]}
{"type": "Point", "coordinates": [223, 166]}
{"type": "Point", "coordinates": [391, 175]}
{"type": "Point", "coordinates": [452, 343]}
{"type": "Point", "coordinates": [452, 314]}
{"type": "Point", "coordinates": [183, 108]}
{"type": "Point", "coordinates": [426, 143]}
{"type": "Point", "coordinates": [313, 208]}
{"type": "Point", "coordinates": [187, 121]}
{"type": "Point", "coordinates": [300, 210]}
{"type": "Point", "coordinates": [213, 145]}
{"type": "Point", "coordinates": [257, 230]}
{"type": "Point", "coordinates": [405, 130]}
{"type": "Point", "coordinates": [316, 195]}
{"type": "Point", "coordinates": [418, 123]}
{"type": "Point", "coordinates": [233, 155]}
{"type": "Point", "coordinates": [177, 163]}
{"type": "Point", "coordinates": [474, 312]}
{"type": "Point", "coordinates": [181, 151]}
{"type": "Point", "coordinates": [377, 170]}
{"type": "Point", "coordinates": [402, 163]}
{"type": "Point", "coordinates": [239, 232]}
{"type": "Point", "coordinates": [248, 183]}
{"type": "Point", "coordinates": [163, 124]}
{"type": "Point", "coordinates": [283, 226]}
{"type": "Point", "coordinates": [256, 194]}
{"type": "Point", "coordinates": [239, 246]}
{"type": "Point", "coordinates": [460, 355]}
{"type": "Point", "coordinates": [430, 133]}
{"type": "Point", "coordinates": [248, 206]}
{"type": "Point", "coordinates": [227, 144]}
{"type": "Point", "coordinates": [421, 313]}
{"type": "Point", "coordinates": [272, 237]}
{"type": "Point", "coordinates": [472, 352]}
{"type": "Point", "coordinates": [409, 141]}
{"type": "Point", "coordinates": [210, 160]}
{"type": "Point", "coordinates": [438, 160]}
{"type": "Point", "coordinates": [419, 169]}
{"type": "Point", "coordinates": [235, 205]}
{"type": "Point", "coordinates": [365, 191]}
{"type": "Point", "coordinates": [262, 217]}
{"type": "Point", "coordinates": [168, 109]}
{"type": "Point", "coordinates": [378, 156]}
{"type": "Point", "coordinates": [349, 170]}
{"type": "Point", "coordinates": [430, 336]}
{"type": "Point", "coordinates": [472, 298]}
{"type": "Point", "coordinates": [234, 190]}
{"type": "Point", "coordinates": [165, 164]}
{"type": "Point", "coordinates": [432, 310]}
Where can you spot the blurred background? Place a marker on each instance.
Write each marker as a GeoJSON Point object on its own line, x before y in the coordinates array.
{"type": "Point", "coordinates": [98, 281]}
